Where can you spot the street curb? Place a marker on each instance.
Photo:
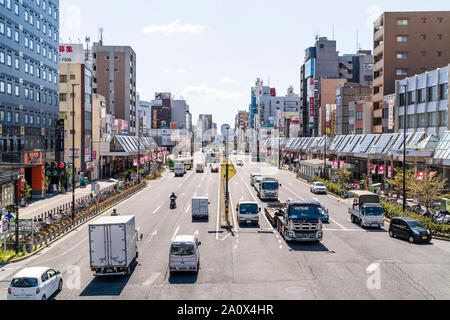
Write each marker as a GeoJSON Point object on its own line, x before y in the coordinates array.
{"type": "Point", "coordinates": [68, 232]}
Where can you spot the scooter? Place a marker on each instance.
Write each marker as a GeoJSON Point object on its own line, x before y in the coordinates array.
{"type": "Point", "coordinates": [173, 204]}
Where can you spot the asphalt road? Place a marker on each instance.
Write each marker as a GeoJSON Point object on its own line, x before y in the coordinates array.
{"type": "Point", "coordinates": [249, 262]}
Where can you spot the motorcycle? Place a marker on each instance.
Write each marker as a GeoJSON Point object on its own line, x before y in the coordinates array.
{"type": "Point", "coordinates": [173, 204]}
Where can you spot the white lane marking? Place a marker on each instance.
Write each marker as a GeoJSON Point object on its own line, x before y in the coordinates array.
{"type": "Point", "coordinates": [233, 213]}
{"type": "Point", "coordinates": [139, 228]}
{"type": "Point", "coordinates": [281, 247]}
{"type": "Point", "coordinates": [154, 233]}
{"type": "Point", "coordinates": [339, 224]}
{"type": "Point", "coordinates": [152, 279]}
{"type": "Point", "coordinates": [242, 198]}
{"type": "Point", "coordinates": [196, 233]}
{"type": "Point", "coordinates": [348, 230]}
{"type": "Point", "coordinates": [229, 234]}
{"type": "Point", "coordinates": [218, 210]}
{"type": "Point", "coordinates": [293, 193]}
{"type": "Point", "coordinates": [175, 233]}
{"type": "Point", "coordinates": [187, 209]}
{"type": "Point", "coordinates": [156, 209]}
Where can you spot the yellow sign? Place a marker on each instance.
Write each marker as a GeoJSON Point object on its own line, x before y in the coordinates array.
{"type": "Point", "coordinates": [43, 131]}
{"type": "Point", "coordinates": [22, 130]}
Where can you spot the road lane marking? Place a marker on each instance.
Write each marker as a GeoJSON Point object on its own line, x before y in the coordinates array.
{"type": "Point", "coordinates": [157, 209]}
{"type": "Point", "coordinates": [339, 224]}
{"type": "Point", "coordinates": [218, 210]}
{"type": "Point", "coordinates": [154, 233]}
{"type": "Point", "coordinates": [175, 234]}
{"type": "Point", "coordinates": [293, 193]}
{"type": "Point", "coordinates": [152, 279]}
{"type": "Point", "coordinates": [281, 247]}
{"type": "Point", "coordinates": [187, 209]}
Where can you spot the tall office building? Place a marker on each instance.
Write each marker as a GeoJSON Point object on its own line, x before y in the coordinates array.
{"type": "Point", "coordinates": [29, 66]}
{"type": "Point", "coordinates": [405, 44]}
{"type": "Point", "coordinates": [115, 79]}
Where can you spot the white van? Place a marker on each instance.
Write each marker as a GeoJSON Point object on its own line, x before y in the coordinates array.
{"type": "Point", "coordinates": [184, 254]}
{"type": "Point", "coordinates": [179, 169]}
{"type": "Point", "coordinates": [200, 208]}
{"type": "Point", "coordinates": [253, 176]}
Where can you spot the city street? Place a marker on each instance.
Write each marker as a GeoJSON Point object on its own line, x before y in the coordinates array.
{"type": "Point", "coordinates": [248, 262]}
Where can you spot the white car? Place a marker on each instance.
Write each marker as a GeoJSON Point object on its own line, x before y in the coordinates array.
{"type": "Point", "coordinates": [319, 187]}
{"type": "Point", "coordinates": [36, 283]}
{"type": "Point", "coordinates": [184, 254]}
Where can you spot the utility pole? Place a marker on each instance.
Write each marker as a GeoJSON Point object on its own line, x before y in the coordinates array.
{"type": "Point", "coordinates": [325, 157]}
{"type": "Point", "coordinates": [139, 147]}
{"type": "Point", "coordinates": [16, 188]}
{"type": "Point", "coordinates": [404, 145]}
{"type": "Point", "coordinates": [73, 151]}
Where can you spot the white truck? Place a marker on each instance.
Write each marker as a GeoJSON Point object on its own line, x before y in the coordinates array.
{"type": "Point", "coordinates": [200, 206]}
{"type": "Point", "coordinates": [113, 245]}
{"type": "Point", "coordinates": [267, 189]}
{"type": "Point", "coordinates": [179, 169]}
{"type": "Point", "coordinates": [366, 209]}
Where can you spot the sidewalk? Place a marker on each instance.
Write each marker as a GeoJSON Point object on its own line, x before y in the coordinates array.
{"type": "Point", "coordinates": [41, 206]}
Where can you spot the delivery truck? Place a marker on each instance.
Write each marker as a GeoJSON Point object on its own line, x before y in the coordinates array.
{"type": "Point", "coordinates": [113, 245]}
{"type": "Point", "coordinates": [200, 206]}
{"type": "Point", "coordinates": [366, 209]}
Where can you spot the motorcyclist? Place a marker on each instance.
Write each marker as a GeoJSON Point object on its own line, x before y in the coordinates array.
{"type": "Point", "coordinates": [173, 197]}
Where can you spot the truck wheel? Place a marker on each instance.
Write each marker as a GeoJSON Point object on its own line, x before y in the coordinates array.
{"type": "Point", "coordinates": [361, 223]}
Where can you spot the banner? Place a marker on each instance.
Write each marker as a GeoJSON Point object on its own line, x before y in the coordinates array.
{"type": "Point", "coordinates": [389, 172]}
{"type": "Point", "coordinates": [381, 170]}
{"type": "Point", "coordinates": [134, 162]}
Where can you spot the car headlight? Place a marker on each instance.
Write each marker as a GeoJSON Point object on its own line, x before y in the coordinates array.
{"type": "Point", "coordinates": [416, 232]}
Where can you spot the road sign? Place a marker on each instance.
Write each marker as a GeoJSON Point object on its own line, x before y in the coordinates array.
{"type": "Point", "coordinates": [5, 227]}
{"type": "Point", "coordinates": [133, 176]}
{"type": "Point", "coordinates": [25, 225]}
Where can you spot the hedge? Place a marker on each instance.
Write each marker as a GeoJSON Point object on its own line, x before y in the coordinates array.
{"type": "Point", "coordinates": [395, 210]}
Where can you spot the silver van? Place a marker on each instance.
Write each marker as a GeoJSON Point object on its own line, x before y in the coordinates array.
{"type": "Point", "coordinates": [184, 255]}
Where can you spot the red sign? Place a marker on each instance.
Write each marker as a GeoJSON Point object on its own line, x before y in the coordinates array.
{"type": "Point", "coordinates": [135, 162]}
{"type": "Point", "coordinates": [94, 154]}
{"type": "Point", "coordinates": [389, 171]}
{"type": "Point", "coordinates": [273, 92]}
{"type": "Point", "coordinates": [142, 160]}
{"type": "Point", "coordinates": [67, 49]}
{"type": "Point", "coordinates": [420, 175]}
{"type": "Point", "coordinates": [311, 107]}
{"type": "Point", "coordinates": [342, 163]}
{"type": "Point", "coordinates": [381, 170]}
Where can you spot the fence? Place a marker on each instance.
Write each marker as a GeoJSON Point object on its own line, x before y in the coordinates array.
{"type": "Point", "coordinates": [55, 222]}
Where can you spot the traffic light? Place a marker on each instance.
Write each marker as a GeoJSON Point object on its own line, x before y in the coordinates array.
{"type": "Point", "coordinates": [54, 169]}
{"type": "Point", "coordinates": [48, 169]}
{"type": "Point", "coordinates": [61, 169]}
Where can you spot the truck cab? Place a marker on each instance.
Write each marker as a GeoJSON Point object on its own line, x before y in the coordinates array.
{"type": "Point", "coordinates": [297, 220]}
{"type": "Point", "coordinates": [268, 189]}
{"type": "Point", "coordinates": [179, 169]}
{"type": "Point", "coordinates": [366, 209]}
{"type": "Point", "coordinates": [253, 176]}
{"type": "Point", "coordinates": [248, 212]}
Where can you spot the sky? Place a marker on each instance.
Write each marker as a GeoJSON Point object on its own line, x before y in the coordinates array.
{"type": "Point", "coordinates": [210, 52]}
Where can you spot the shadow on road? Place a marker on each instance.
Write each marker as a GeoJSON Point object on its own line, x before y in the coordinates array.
{"type": "Point", "coordinates": [183, 278]}
{"type": "Point", "coordinates": [307, 246]}
{"type": "Point", "coordinates": [107, 286]}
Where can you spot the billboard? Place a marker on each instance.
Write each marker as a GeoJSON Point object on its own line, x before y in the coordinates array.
{"type": "Point", "coordinates": [71, 53]}
{"type": "Point", "coordinates": [122, 127]}
{"type": "Point", "coordinates": [166, 136]}
{"type": "Point", "coordinates": [310, 68]}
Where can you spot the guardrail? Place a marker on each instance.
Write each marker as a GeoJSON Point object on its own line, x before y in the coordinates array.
{"type": "Point", "coordinates": [63, 223]}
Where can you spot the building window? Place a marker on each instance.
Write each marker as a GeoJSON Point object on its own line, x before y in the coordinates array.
{"type": "Point", "coordinates": [432, 93]}
{"type": "Point", "coordinates": [402, 99]}
{"type": "Point", "coordinates": [440, 20]}
{"type": "Point", "coordinates": [31, 119]}
{"type": "Point", "coordinates": [402, 72]}
{"type": "Point", "coordinates": [424, 20]}
{"type": "Point", "coordinates": [402, 55]}
{"type": "Point", "coordinates": [443, 116]}
{"type": "Point", "coordinates": [421, 123]}
{"type": "Point", "coordinates": [411, 97]}
{"type": "Point", "coordinates": [402, 38]}
{"type": "Point", "coordinates": [402, 22]}
{"type": "Point", "coordinates": [421, 96]}
{"type": "Point", "coordinates": [443, 91]}
{"type": "Point", "coordinates": [432, 119]}
{"type": "Point", "coordinates": [2, 86]}
{"type": "Point", "coordinates": [424, 37]}
{"type": "Point", "coordinates": [439, 36]}
{"type": "Point", "coordinates": [17, 117]}
{"type": "Point", "coordinates": [72, 77]}
{"type": "Point", "coordinates": [423, 53]}
{"type": "Point", "coordinates": [17, 91]}
{"type": "Point", "coordinates": [9, 116]}
{"type": "Point", "coordinates": [2, 116]}
{"type": "Point", "coordinates": [439, 53]}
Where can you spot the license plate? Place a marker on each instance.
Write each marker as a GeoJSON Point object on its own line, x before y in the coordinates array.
{"type": "Point", "coordinates": [109, 270]}
{"type": "Point", "coordinates": [182, 269]}
{"type": "Point", "coordinates": [249, 222]}
{"type": "Point", "coordinates": [424, 238]}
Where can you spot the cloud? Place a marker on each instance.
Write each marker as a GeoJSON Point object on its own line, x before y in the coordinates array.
{"type": "Point", "coordinates": [211, 93]}
{"type": "Point", "coordinates": [173, 27]}
{"type": "Point", "coordinates": [179, 71]}
{"type": "Point", "coordinates": [226, 80]}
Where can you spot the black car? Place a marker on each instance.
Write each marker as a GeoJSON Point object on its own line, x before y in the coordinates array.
{"type": "Point", "coordinates": [409, 229]}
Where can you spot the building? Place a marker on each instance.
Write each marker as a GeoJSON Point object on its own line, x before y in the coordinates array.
{"type": "Point", "coordinates": [328, 88]}
{"type": "Point", "coordinates": [161, 110]}
{"type": "Point", "coordinates": [115, 79]}
{"type": "Point", "coordinates": [405, 44]}
{"type": "Point", "coordinates": [241, 126]}
{"type": "Point", "coordinates": [346, 93]}
{"type": "Point", "coordinates": [360, 117]}
{"type": "Point", "coordinates": [146, 115]}
{"type": "Point", "coordinates": [29, 67]}
{"type": "Point", "coordinates": [427, 100]}
{"type": "Point", "coordinates": [76, 76]}
{"type": "Point", "coordinates": [181, 118]}
{"type": "Point", "coordinates": [99, 133]}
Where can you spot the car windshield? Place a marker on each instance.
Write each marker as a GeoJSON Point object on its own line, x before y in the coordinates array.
{"type": "Point", "coordinates": [320, 184]}
{"type": "Point", "coordinates": [303, 212]}
{"type": "Point", "coordinates": [415, 225]}
{"type": "Point", "coordinates": [373, 211]}
{"type": "Point", "coordinates": [182, 249]}
{"type": "Point", "coordinates": [270, 185]}
{"type": "Point", "coordinates": [248, 208]}
{"type": "Point", "coordinates": [24, 283]}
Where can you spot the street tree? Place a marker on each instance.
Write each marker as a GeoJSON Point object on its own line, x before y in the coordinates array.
{"type": "Point", "coordinates": [344, 175]}
{"type": "Point", "coordinates": [396, 184]}
{"type": "Point", "coordinates": [429, 189]}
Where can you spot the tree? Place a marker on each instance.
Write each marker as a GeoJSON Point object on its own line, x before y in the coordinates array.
{"type": "Point", "coordinates": [429, 188]}
{"type": "Point", "coordinates": [344, 175]}
{"type": "Point", "coordinates": [26, 192]}
{"type": "Point", "coordinates": [397, 182]}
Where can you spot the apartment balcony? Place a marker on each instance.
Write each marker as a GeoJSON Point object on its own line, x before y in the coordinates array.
{"type": "Point", "coordinates": [378, 66]}
{"type": "Point", "coordinates": [11, 157]}
{"type": "Point", "coordinates": [378, 97]}
{"type": "Point", "coordinates": [377, 129]}
{"type": "Point", "coordinates": [378, 50]}
{"type": "Point", "coordinates": [378, 81]}
{"type": "Point", "coordinates": [378, 35]}
{"type": "Point", "coordinates": [378, 113]}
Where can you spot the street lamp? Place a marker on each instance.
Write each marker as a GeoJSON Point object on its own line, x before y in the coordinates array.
{"type": "Point", "coordinates": [404, 145]}
{"type": "Point", "coordinates": [73, 151]}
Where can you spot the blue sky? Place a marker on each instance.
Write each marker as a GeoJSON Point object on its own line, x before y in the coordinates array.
{"type": "Point", "coordinates": [211, 51]}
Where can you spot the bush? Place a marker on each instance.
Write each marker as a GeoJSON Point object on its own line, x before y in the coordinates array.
{"type": "Point", "coordinates": [332, 187]}
{"type": "Point", "coordinates": [395, 210]}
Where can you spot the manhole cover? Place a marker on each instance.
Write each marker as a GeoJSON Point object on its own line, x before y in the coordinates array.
{"type": "Point", "coordinates": [295, 290]}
